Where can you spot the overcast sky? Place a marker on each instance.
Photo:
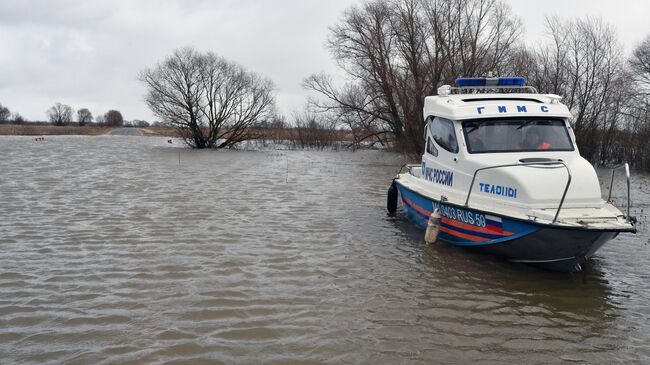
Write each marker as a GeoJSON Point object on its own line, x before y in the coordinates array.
{"type": "Point", "coordinates": [88, 53]}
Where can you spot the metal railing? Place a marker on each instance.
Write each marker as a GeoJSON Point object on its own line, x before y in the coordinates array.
{"type": "Point", "coordinates": [611, 186]}
{"type": "Point", "coordinates": [551, 164]}
{"type": "Point", "coordinates": [408, 168]}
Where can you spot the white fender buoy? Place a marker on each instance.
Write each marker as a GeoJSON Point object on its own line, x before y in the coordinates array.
{"type": "Point", "coordinates": [433, 226]}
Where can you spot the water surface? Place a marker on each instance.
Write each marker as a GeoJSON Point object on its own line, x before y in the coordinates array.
{"type": "Point", "coordinates": [113, 253]}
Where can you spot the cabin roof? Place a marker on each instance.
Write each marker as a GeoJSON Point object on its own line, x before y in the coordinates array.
{"type": "Point", "coordinates": [484, 105]}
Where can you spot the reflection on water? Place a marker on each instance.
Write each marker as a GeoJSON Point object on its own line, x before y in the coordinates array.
{"type": "Point", "coordinates": [113, 253]}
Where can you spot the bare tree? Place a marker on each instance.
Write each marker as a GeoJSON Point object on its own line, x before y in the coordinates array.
{"type": "Point", "coordinates": [584, 63]}
{"type": "Point", "coordinates": [60, 114]}
{"type": "Point", "coordinates": [396, 52]}
{"type": "Point", "coordinates": [640, 62]}
{"type": "Point", "coordinates": [211, 101]}
{"type": "Point", "coordinates": [84, 116]}
{"type": "Point", "coordinates": [17, 118]}
{"type": "Point", "coordinates": [141, 124]}
{"type": "Point", "coordinates": [636, 132]}
{"type": "Point", "coordinates": [113, 118]}
{"type": "Point", "coordinates": [312, 130]}
{"type": "Point", "coordinates": [5, 113]}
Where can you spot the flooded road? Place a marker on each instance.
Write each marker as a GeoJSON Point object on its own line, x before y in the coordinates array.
{"type": "Point", "coordinates": [113, 253]}
{"type": "Point", "coordinates": [124, 131]}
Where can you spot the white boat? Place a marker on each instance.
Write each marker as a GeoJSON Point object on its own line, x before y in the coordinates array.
{"type": "Point", "coordinates": [503, 169]}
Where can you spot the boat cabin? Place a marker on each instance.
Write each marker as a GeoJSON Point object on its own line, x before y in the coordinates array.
{"type": "Point", "coordinates": [481, 133]}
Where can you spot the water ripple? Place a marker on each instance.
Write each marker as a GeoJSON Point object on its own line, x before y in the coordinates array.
{"type": "Point", "coordinates": [113, 253]}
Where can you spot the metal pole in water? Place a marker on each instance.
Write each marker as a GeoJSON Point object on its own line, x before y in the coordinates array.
{"type": "Point", "coordinates": [627, 175]}
{"type": "Point", "coordinates": [179, 157]}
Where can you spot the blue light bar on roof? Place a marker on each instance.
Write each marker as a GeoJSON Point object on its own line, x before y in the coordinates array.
{"type": "Point", "coordinates": [512, 81]}
{"type": "Point", "coordinates": [490, 81]}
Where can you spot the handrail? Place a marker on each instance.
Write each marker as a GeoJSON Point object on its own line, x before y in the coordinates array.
{"type": "Point", "coordinates": [550, 163]}
{"type": "Point", "coordinates": [408, 167]}
{"type": "Point", "coordinates": [611, 185]}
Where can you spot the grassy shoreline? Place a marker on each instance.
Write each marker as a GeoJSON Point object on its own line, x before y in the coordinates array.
{"type": "Point", "coordinates": [51, 130]}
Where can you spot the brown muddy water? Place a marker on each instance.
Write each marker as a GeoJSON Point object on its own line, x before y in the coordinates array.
{"type": "Point", "coordinates": [112, 253]}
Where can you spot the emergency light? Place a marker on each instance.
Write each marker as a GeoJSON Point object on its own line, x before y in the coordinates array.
{"type": "Point", "coordinates": [490, 81]}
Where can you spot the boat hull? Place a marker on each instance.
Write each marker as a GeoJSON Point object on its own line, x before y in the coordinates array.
{"type": "Point", "coordinates": [547, 246]}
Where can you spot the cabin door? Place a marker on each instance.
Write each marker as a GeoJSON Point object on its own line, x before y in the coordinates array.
{"type": "Point", "coordinates": [441, 152]}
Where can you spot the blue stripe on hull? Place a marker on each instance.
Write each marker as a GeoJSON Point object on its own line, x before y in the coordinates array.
{"type": "Point", "coordinates": [463, 226]}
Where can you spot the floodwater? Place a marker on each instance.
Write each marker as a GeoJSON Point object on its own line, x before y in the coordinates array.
{"type": "Point", "coordinates": [113, 253]}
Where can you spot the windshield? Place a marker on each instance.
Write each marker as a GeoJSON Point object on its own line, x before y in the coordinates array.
{"type": "Point", "coordinates": [516, 135]}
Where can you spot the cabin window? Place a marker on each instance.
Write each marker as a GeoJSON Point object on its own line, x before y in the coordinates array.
{"type": "Point", "coordinates": [516, 135]}
{"type": "Point", "coordinates": [431, 149]}
{"type": "Point", "coordinates": [442, 131]}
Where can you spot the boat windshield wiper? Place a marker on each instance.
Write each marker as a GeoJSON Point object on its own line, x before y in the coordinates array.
{"type": "Point", "coordinates": [473, 129]}
{"type": "Point", "coordinates": [525, 123]}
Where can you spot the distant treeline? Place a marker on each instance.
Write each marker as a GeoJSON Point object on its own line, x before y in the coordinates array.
{"type": "Point", "coordinates": [64, 115]}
